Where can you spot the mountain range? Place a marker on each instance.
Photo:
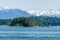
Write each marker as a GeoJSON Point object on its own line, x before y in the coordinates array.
{"type": "Point", "coordinates": [50, 13]}
{"type": "Point", "coordinates": [13, 13]}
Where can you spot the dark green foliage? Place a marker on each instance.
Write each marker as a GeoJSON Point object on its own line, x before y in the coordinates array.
{"type": "Point", "coordinates": [31, 21]}
{"type": "Point", "coordinates": [36, 21]}
{"type": "Point", "coordinates": [5, 21]}
{"type": "Point", "coordinates": [23, 21]}
{"type": "Point", "coordinates": [47, 21]}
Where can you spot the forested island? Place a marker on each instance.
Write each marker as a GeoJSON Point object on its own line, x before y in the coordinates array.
{"type": "Point", "coordinates": [31, 21]}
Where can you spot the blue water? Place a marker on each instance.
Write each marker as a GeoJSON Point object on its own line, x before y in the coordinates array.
{"type": "Point", "coordinates": [29, 33]}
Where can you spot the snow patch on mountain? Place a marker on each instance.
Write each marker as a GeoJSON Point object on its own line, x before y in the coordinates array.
{"type": "Point", "coordinates": [51, 12]}
{"type": "Point", "coordinates": [34, 12]}
{"type": "Point", "coordinates": [4, 7]}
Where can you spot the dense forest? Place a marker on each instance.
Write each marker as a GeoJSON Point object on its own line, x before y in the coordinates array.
{"type": "Point", "coordinates": [31, 21]}
{"type": "Point", "coordinates": [23, 21]}
{"type": "Point", "coordinates": [47, 21]}
{"type": "Point", "coordinates": [5, 21]}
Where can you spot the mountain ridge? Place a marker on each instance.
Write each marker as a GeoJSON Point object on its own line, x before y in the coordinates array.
{"type": "Point", "coordinates": [13, 13]}
{"type": "Point", "coordinates": [51, 12]}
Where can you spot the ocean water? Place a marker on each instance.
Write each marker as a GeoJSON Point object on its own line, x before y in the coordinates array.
{"type": "Point", "coordinates": [29, 33]}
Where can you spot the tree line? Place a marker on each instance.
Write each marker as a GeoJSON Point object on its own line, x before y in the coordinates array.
{"type": "Point", "coordinates": [31, 21]}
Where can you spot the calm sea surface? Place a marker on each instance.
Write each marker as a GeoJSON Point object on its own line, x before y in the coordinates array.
{"type": "Point", "coordinates": [29, 33]}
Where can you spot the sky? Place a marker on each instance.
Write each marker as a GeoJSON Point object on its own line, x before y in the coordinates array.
{"type": "Point", "coordinates": [30, 4]}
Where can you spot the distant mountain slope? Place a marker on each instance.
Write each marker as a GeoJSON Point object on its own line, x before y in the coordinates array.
{"type": "Point", "coordinates": [50, 13]}
{"type": "Point", "coordinates": [13, 13]}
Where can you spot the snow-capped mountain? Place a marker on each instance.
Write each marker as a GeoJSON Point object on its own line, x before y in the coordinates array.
{"type": "Point", "coordinates": [52, 13]}
{"type": "Point", "coordinates": [8, 13]}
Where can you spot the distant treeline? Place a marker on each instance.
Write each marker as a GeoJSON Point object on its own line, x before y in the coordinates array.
{"type": "Point", "coordinates": [5, 21]}
{"type": "Point", "coordinates": [47, 21]}
{"type": "Point", "coordinates": [31, 21]}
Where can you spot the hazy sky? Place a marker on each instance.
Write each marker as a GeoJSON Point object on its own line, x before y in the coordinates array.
{"type": "Point", "coordinates": [31, 4]}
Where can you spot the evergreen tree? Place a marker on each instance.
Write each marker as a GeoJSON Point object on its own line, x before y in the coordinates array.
{"type": "Point", "coordinates": [23, 21]}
